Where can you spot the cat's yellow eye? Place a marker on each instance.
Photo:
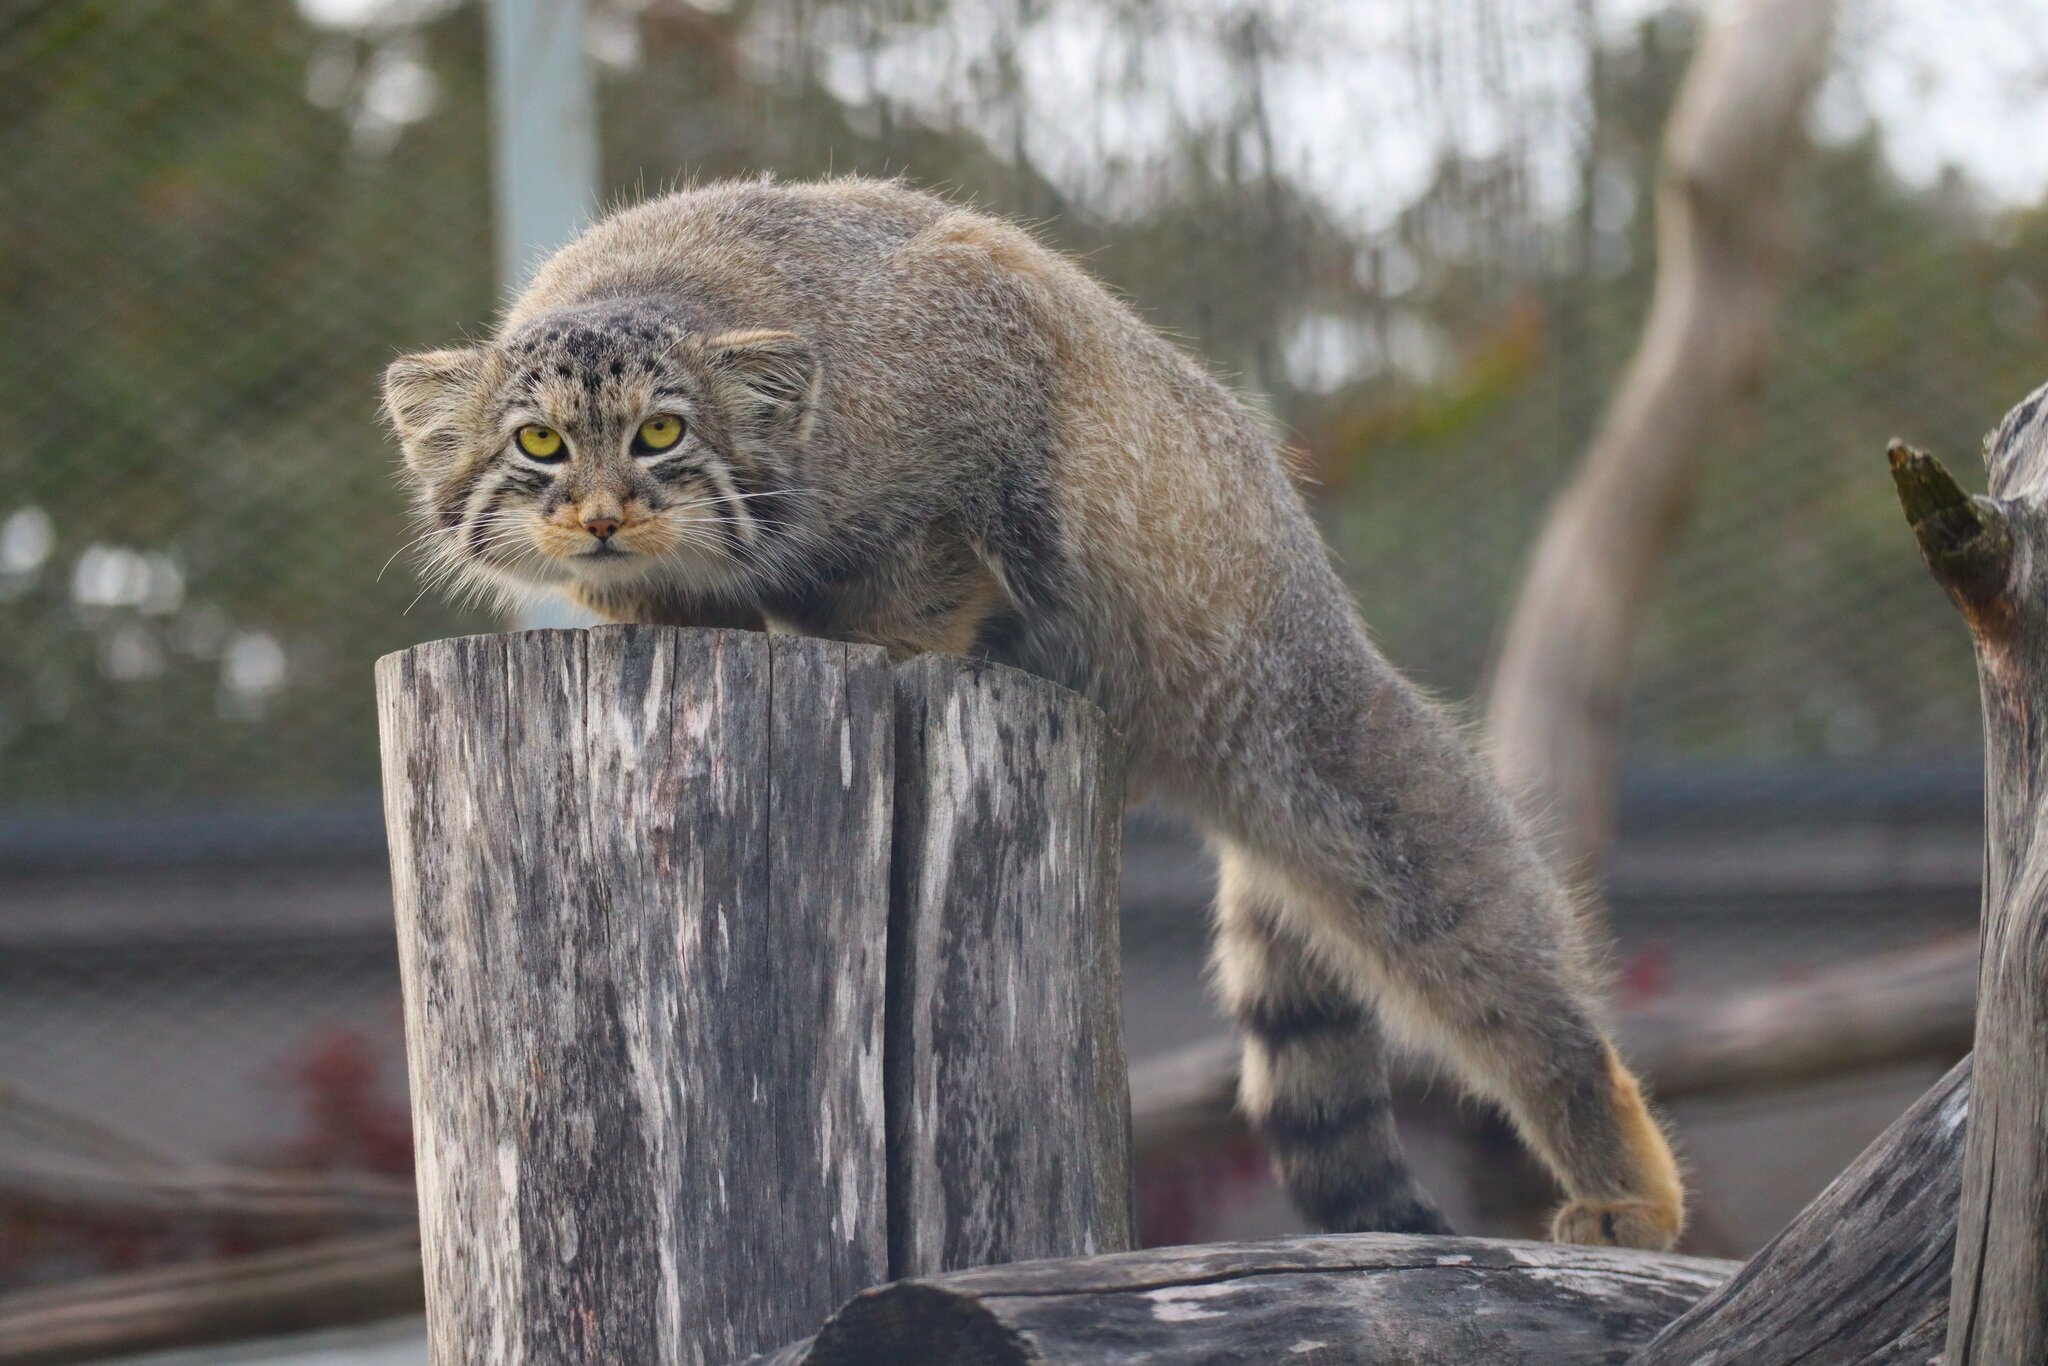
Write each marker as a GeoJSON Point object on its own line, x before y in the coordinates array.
{"type": "Point", "coordinates": [542, 443]}
{"type": "Point", "coordinates": [659, 433]}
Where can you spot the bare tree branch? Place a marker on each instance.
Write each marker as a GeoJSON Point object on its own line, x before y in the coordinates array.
{"type": "Point", "coordinates": [246, 1198]}
{"type": "Point", "coordinates": [326, 1284]}
{"type": "Point", "coordinates": [1554, 714]}
{"type": "Point", "coordinates": [121, 1176]}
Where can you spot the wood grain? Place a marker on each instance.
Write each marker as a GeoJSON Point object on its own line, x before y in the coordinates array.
{"type": "Point", "coordinates": [642, 882]}
{"type": "Point", "coordinates": [1862, 1275]}
{"type": "Point", "coordinates": [1333, 1300]}
{"type": "Point", "coordinates": [1991, 555]}
{"type": "Point", "coordinates": [1009, 1114]}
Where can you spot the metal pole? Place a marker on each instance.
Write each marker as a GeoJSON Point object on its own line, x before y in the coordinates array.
{"type": "Point", "coordinates": [544, 131]}
{"type": "Point", "coordinates": [544, 154]}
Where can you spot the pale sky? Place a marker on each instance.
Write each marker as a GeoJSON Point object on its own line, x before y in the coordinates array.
{"type": "Point", "coordinates": [1359, 119]}
{"type": "Point", "coordinates": [1950, 82]}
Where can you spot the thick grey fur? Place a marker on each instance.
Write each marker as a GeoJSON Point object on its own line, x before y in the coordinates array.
{"type": "Point", "coordinates": [911, 425]}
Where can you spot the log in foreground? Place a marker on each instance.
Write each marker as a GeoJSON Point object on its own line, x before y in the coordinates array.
{"type": "Point", "coordinates": [1862, 1275]}
{"type": "Point", "coordinates": [1991, 555]}
{"type": "Point", "coordinates": [644, 893]}
{"type": "Point", "coordinates": [1354, 1298]}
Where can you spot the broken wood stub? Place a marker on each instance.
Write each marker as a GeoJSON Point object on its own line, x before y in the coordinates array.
{"type": "Point", "coordinates": [1991, 555]}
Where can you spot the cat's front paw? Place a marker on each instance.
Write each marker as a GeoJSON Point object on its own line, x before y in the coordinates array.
{"type": "Point", "coordinates": [1642, 1224]}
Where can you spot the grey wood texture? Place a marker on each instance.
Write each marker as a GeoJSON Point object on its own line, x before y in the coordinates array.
{"type": "Point", "coordinates": [642, 888]}
{"type": "Point", "coordinates": [1862, 1275]}
{"type": "Point", "coordinates": [1991, 555]}
{"type": "Point", "coordinates": [1009, 1111]}
{"type": "Point", "coordinates": [1349, 1299]}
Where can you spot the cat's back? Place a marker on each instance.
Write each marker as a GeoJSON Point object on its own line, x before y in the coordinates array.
{"type": "Point", "coordinates": [750, 249]}
{"type": "Point", "coordinates": [920, 310]}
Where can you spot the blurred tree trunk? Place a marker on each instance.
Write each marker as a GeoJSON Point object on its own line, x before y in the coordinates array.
{"type": "Point", "coordinates": [1555, 709]}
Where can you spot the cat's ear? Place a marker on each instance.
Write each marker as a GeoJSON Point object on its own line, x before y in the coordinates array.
{"type": "Point", "coordinates": [424, 397]}
{"type": "Point", "coordinates": [767, 382]}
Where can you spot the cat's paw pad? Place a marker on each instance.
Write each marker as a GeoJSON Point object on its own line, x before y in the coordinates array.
{"type": "Point", "coordinates": [1618, 1223]}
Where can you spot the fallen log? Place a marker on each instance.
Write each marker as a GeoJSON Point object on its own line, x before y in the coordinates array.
{"type": "Point", "coordinates": [104, 1172]}
{"type": "Point", "coordinates": [1912, 1006]}
{"type": "Point", "coordinates": [327, 1284]}
{"type": "Point", "coordinates": [1890, 1009]}
{"type": "Point", "coordinates": [246, 1198]}
{"type": "Point", "coordinates": [1357, 1298]}
{"type": "Point", "coordinates": [1862, 1275]}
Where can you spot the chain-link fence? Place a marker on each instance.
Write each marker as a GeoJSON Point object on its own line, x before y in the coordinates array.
{"type": "Point", "coordinates": [1420, 240]}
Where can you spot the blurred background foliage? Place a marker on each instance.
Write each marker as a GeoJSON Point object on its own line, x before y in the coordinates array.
{"type": "Point", "coordinates": [1420, 242]}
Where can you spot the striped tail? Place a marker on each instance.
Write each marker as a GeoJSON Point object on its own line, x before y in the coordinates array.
{"type": "Point", "coordinates": [1314, 1081]}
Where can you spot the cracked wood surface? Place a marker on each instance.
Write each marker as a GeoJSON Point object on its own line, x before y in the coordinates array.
{"type": "Point", "coordinates": [651, 970]}
{"type": "Point", "coordinates": [1335, 1300]}
{"type": "Point", "coordinates": [1006, 1067]}
{"type": "Point", "coordinates": [641, 879]}
{"type": "Point", "coordinates": [1862, 1275]}
{"type": "Point", "coordinates": [1991, 555]}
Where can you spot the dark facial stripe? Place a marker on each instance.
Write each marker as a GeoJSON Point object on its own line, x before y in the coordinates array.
{"type": "Point", "coordinates": [451, 499]}
{"type": "Point", "coordinates": [674, 466]}
{"type": "Point", "coordinates": [769, 507]}
{"type": "Point", "coordinates": [736, 514]}
{"type": "Point", "coordinates": [479, 528]}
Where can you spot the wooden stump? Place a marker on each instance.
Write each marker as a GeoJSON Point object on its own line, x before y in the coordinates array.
{"type": "Point", "coordinates": [643, 880]}
{"type": "Point", "coordinates": [1009, 803]}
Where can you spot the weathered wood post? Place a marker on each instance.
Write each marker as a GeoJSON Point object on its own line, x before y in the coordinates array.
{"type": "Point", "coordinates": [1009, 805]}
{"type": "Point", "coordinates": [1991, 555]}
{"type": "Point", "coordinates": [664, 1022]}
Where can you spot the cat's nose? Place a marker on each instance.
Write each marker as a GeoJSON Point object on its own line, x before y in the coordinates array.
{"type": "Point", "coordinates": [601, 527]}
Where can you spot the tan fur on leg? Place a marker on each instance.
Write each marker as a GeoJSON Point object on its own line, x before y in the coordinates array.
{"type": "Point", "coordinates": [1656, 1216]}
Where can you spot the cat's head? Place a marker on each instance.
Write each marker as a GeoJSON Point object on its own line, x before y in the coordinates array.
{"type": "Point", "coordinates": [606, 443]}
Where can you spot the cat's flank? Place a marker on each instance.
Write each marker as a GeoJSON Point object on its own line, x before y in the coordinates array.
{"type": "Point", "coordinates": [852, 410]}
